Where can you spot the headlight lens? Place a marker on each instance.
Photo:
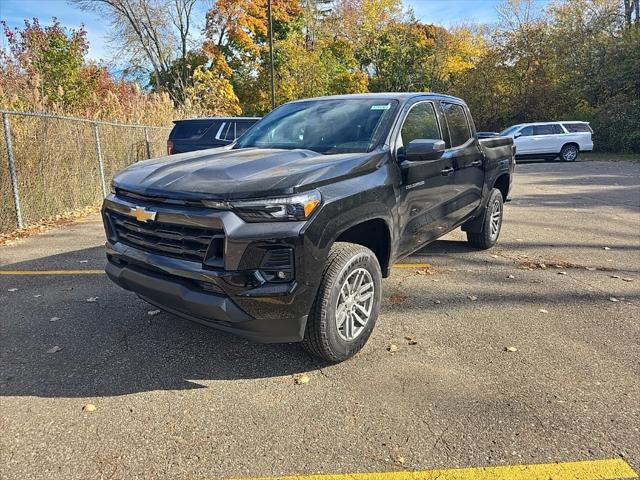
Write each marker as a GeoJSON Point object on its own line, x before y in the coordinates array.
{"type": "Point", "coordinates": [283, 209]}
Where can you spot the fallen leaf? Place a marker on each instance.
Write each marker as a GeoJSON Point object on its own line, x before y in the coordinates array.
{"type": "Point", "coordinates": [543, 266]}
{"type": "Point", "coordinates": [89, 407]}
{"type": "Point", "coordinates": [397, 298]}
{"type": "Point", "coordinates": [411, 339]}
{"type": "Point", "coordinates": [37, 296]}
{"type": "Point", "coordinates": [562, 273]}
{"type": "Point", "coordinates": [301, 379]}
{"type": "Point", "coordinates": [542, 310]}
{"type": "Point", "coordinates": [614, 276]}
{"type": "Point", "coordinates": [392, 348]}
{"type": "Point", "coordinates": [421, 272]}
{"type": "Point", "coordinates": [398, 460]}
{"type": "Point", "coordinates": [54, 319]}
{"type": "Point", "coordinates": [510, 276]}
{"type": "Point", "coordinates": [437, 302]}
{"type": "Point", "coordinates": [494, 256]}
{"type": "Point", "coordinates": [606, 248]}
{"type": "Point", "coordinates": [473, 298]}
{"type": "Point", "coordinates": [591, 269]}
{"type": "Point", "coordinates": [627, 279]}
{"type": "Point", "coordinates": [54, 349]}
{"type": "Point", "coordinates": [511, 349]}
{"type": "Point", "coordinates": [12, 289]}
{"type": "Point", "coordinates": [613, 299]}
{"type": "Point", "coordinates": [92, 299]}
{"type": "Point", "coordinates": [153, 312]}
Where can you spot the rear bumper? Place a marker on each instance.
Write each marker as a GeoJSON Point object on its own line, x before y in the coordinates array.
{"type": "Point", "coordinates": [217, 310]}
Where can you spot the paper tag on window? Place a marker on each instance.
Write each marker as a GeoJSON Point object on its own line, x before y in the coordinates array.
{"type": "Point", "coordinates": [381, 107]}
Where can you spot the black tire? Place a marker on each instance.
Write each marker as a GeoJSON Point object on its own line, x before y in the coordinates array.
{"type": "Point", "coordinates": [488, 237]}
{"type": "Point", "coordinates": [569, 152]}
{"type": "Point", "coordinates": [323, 337]}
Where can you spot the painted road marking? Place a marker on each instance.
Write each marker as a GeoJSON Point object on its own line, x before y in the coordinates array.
{"type": "Point", "coordinates": [51, 272]}
{"type": "Point", "coordinates": [607, 469]}
{"type": "Point", "coordinates": [100, 272]}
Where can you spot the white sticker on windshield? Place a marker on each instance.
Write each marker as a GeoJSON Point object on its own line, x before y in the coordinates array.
{"type": "Point", "coordinates": [381, 107]}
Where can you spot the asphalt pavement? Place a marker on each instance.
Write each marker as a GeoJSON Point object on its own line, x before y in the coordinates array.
{"type": "Point", "coordinates": [527, 353]}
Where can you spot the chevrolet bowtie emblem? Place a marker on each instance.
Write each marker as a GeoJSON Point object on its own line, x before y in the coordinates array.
{"type": "Point", "coordinates": [143, 215]}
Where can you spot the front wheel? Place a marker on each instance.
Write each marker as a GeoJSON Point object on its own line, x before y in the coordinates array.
{"type": "Point", "coordinates": [569, 153]}
{"type": "Point", "coordinates": [491, 225]}
{"type": "Point", "coordinates": [347, 303]}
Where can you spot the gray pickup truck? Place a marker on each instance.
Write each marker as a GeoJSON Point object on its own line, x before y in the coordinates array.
{"type": "Point", "coordinates": [286, 234]}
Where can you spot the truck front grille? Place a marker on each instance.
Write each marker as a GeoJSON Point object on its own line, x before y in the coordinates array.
{"type": "Point", "coordinates": [180, 241]}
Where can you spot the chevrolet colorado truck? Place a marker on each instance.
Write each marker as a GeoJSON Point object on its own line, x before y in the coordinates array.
{"type": "Point", "coordinates": [286, 234]}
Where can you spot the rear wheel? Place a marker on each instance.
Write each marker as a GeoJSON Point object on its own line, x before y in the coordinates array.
{"type": "Point", "coordinates": [347, 303]}
{"type": "Point", "coordinates": [491, 225]}
{"type": "Point", "coordinates": [569, 153]}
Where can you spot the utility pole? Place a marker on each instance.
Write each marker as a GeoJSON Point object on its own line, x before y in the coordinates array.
{"type": "Point", "coordinates": [273, 84]}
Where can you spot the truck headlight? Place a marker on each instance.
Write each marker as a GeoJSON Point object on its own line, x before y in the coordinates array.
{"type": "Point", "coordinates": [282, 209]}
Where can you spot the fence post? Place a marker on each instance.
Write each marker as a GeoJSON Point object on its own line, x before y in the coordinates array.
{"type": "Point", "coordinates": [12, 170]}
{"type": "Point", "coordinates": [100, 162]}
{"type": "Point", "coordinates": [146, 141]}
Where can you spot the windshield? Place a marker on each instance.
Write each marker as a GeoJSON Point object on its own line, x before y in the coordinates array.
{"type": "Point", "coordinates": [509, 131]}
{"type": "Point", "coordinates": [324, 126]}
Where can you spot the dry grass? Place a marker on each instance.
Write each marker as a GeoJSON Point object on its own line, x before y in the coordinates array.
{"type": "Point", "coordinates": [57, 165]}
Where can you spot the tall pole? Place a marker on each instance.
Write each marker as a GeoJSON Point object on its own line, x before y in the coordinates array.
{"type": "Point", "coordinates": [273, 84]}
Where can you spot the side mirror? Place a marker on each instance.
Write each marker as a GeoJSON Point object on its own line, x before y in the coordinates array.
{"type": "Point", "coordinates": [519, 134]}
{"type": "Point", "coordinates": [423, 149]}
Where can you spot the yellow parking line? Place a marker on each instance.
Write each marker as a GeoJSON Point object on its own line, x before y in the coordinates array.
{"type": "Point", "coordinates": [412, 265]}
{"type": "Point", "coordinates": [51, 272]}
{"type": "Point", "coordinates": [607, 469]}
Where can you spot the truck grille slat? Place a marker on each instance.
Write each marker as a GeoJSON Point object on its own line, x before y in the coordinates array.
{"type": "Point", "coordinates": [185, 242]}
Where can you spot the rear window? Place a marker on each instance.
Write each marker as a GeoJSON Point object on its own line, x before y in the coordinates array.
{"type": "Point", "coordinates": [577, 127]}
{"type": "Point", "coordinates": [191, 129]}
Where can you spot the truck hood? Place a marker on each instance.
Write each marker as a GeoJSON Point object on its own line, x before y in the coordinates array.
{"type": "Point", "coordinates": [225, 174]}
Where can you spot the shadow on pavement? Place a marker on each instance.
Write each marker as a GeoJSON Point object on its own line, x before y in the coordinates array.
{"type": "Point", "coordinates": [113, 346]}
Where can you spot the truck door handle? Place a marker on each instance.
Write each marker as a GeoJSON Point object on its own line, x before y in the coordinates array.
{"type": "Point", "coordinates": [476, 163]}
{"type": "Point", "coordinates": [447, 171]}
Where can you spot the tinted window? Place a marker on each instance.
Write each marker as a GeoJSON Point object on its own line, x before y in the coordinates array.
{"type": "Point", "coordinates": [577, 127]}
{"type": "Point", "coordinates": [459, 130]}
{"type": "Point", "coordinates": [324, 126]}
{"type": "Point", "coordinates": [225, 132]}
{"type": "Point", "coordinates": [190, 129]}
{"type": "Point", "coordinates": [526, 131]}
{"type": "Point", "coordinates": [242, 127]}
{"type": "Point", "coordinates": [546, 129]}
{"type": "Point", "coordinates": [421, 122]}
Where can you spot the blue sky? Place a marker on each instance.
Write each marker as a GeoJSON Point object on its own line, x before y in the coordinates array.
{"type": "Point", "coordinates": [442, 12]}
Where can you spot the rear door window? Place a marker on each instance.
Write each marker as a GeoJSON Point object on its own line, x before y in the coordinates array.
{"type": "Point", "coordinates": [545, 129]}
{"type": "Point", "coordinates": [190, 130]}
{"type": "Point", "coordinates": [577, 127]}
{"type": "Point", "coordinates": [459, 129]}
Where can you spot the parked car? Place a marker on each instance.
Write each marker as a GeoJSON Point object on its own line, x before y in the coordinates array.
{"type": "Point", "coordinates": [202, 133]}
{"type": "Point", "coordinates": [551, 139]}
{"type": "Point", "coordinates": [285, 235]}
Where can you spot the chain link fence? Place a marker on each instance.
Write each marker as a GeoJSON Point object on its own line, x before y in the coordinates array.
{"type": "Point", "coordinates": [51, 164]}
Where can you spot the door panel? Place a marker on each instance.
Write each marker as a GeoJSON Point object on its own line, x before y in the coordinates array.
{"type": "Point", "coordinates": [525, 143]}
{"type": "Point", "coordinates": [468, 162]}
{"type": "Point", "coordinates": [426, 185]}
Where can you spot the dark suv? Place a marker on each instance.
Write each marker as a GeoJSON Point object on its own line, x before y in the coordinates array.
{"type": "Point", "coordinates": [202, 133]}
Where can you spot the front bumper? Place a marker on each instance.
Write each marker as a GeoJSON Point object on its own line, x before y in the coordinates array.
{"type": "Point", "coordinates": [231, 294]}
